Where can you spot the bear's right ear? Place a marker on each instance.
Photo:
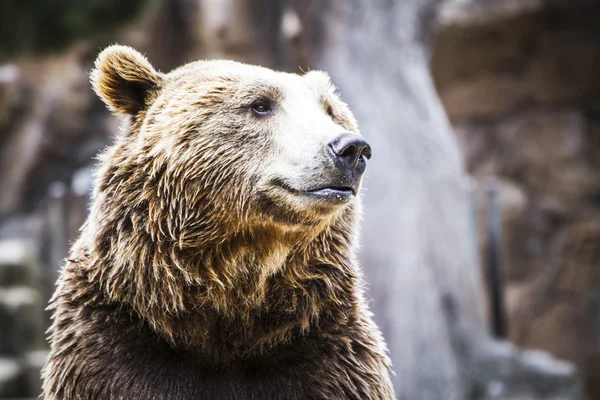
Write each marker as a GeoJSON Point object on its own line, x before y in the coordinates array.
{"type": "Point", "coordinates": [123, 79]}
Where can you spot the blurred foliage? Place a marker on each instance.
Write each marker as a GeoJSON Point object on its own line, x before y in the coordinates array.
{"type": "Point", "coordinates": [40, 26]}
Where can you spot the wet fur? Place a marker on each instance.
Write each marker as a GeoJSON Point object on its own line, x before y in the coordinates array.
{"type": "Point", "coordinates": [187, 284]}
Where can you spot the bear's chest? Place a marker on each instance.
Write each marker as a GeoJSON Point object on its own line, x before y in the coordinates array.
{"type": "Point", "coordinates": [132, 362]}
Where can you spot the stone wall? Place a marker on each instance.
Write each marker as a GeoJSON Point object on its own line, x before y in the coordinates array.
{"type": "Point", "coordinates": [521, 84]}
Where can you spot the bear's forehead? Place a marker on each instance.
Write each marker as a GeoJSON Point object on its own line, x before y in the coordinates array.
{"type": "Point", "coordinates": [245, 75]}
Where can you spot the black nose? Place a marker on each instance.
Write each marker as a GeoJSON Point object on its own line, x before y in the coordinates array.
{"type": "Point", "coordinates": [348, 148]}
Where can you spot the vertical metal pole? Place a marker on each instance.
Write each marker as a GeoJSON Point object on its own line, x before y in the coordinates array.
{"type": "Point", "coordinates": [494, 224]}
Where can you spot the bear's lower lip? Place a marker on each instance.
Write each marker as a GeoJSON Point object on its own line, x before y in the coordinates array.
{"type": "Point", "coordinates": [329, 194]}
{"type": "Point", "coordinates": [340, 195]}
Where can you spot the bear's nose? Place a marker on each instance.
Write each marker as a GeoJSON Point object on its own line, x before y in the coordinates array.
{"type": "Point", "coordinates": [347, 149]}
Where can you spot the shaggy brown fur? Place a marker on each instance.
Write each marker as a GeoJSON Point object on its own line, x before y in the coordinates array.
{"type": "Point", "coordinates": [194, 279]}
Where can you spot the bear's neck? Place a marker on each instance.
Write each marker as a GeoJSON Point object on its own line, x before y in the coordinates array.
{"type": "Point", "coordinates": [246, 292]}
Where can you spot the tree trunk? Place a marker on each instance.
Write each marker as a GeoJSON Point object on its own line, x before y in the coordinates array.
{"type": "Point", "coordinates": [419, 246]}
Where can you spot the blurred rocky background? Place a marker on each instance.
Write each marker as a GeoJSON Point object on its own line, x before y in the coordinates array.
{"type": "Point", "coordinates": [520, 83]}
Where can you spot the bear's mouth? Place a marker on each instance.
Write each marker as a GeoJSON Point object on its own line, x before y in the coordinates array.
{"type": "Point", "coordinates": [328, 193]}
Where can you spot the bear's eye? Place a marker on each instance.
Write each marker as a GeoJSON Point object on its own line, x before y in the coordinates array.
{"type": "Point", "coordinates": [261, 107]}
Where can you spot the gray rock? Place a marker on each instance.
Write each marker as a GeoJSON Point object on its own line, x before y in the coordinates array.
{"type": "Point", "coordinates": [18, 263]}
{"type": "Point", "coordinates": [34, 362]}
{"type": "Point", "coordinates": [503, 373]}
{"type": "Point", "coordinates": [12, 379]}
{"type": "Point", "coordinates": [21, 316]}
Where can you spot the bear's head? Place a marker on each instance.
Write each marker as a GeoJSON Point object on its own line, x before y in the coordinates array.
{"type": "Point", "coordinates": [222, 171]}
{"type": "Point", "coordinates": [251, 144]}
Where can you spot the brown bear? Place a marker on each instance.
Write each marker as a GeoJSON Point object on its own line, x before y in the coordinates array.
{"type": "Point", "coordinates": [218, 260]}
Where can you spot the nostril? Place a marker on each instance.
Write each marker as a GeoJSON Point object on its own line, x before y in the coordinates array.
{"type": "Point", "coordinates": [349, 151]}
{"type": "Point", "coordinates": [366, 152]}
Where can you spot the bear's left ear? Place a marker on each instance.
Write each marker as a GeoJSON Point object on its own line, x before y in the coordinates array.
{"type": "Point", "coordinates": [123, 79]}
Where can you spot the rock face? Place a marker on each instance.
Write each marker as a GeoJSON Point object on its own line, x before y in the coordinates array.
{"type": "Point", "coordinates": [520, 83]}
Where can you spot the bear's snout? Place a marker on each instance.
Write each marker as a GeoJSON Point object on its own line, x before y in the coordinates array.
{"type": "Point", "coordinates": [339, 181]}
